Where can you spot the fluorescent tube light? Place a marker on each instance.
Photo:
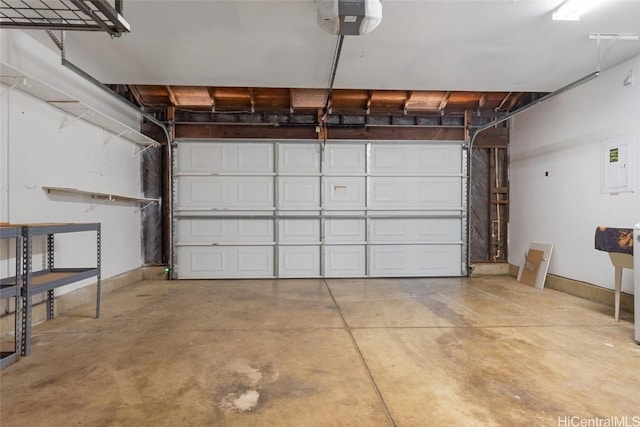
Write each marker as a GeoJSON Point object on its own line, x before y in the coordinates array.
{"type": "Point", "coordinates": [571, 10]}
{"type": "Point", "coordinates": [614, 36]}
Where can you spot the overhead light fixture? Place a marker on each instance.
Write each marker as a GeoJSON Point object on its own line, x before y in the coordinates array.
{"type": "Point", "coordinates": [614, 36]}
{"type": "Point", "coordinates": [571, 10]}
{"type": "Point", "coordinates": [349, 17]}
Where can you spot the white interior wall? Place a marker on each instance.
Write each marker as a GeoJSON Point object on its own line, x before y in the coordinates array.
{"type": "Point", "coordinates": [36, 152]}
{"type": "Point", "coordinates": [563, 137]}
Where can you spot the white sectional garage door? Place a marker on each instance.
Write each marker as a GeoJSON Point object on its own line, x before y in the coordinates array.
{"type": "Point", "coordinates": [300, 209]}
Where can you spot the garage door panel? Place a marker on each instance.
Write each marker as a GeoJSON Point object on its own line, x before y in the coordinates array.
{"type": "Point", "coordinates": [225, 158]}
{"type": "Point", "coordinates": [299, 158]}
{"type": "Point", "coordinates": [194, 157]}
{"type": "Point", "coordinates": [299, 192]}
{"type": "Point", "coordinates": [344, 261]}
{"type": "Point", "coordinates": [201, 262]}
{"type": "Point", "coordinates": [389, 260]}
{"type": "Point", "coordinates": [397, 192]}
{"type": "Point", "coordinates": [299, 261]}
{"type": "Point", "coordinates": [344, 158]}
{"type": "Point", "coordinates": [299, 230]}
{"type": "Point", "coordinates": [252, 158]}
{"type": "Point", "coordinates": [344, 230]}
{"type": "Point", "coordinates": [255, 230]}
{"type": "Point", "coordinates": [224, 192]}
{"type": "Point", "coordinates": [253, 191]}
{"type": "Point", "coordinates": [415, 159]}
{"type": "Point", "coordinates": [386, 192]}
{"type": "Point", "coordinates": [443, 158]}
{"type": "Point", "coordinates": [202, 191]}
{"type": "Point", "coordinates": [415, 260]}
{"type": "Point", "coordinates": [344, 192]}
{"type": "Point", "coordinates": [201, 230]}
{"type": "Point", "coordinates": [215, 230]}
{"type": "Point", "coordinates": [413, 229]}
{"type": "Point", "coordinates": [205, 260]}
{"type": "Point", "coordinates": [440, 192]}
{"type": "Point", "coordinates": [254, 260]}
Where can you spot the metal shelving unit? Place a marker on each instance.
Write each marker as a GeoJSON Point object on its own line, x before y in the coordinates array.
{"type": "Point", "coordinates": [51, 277]}
{"type": "Point", "coordinates": [10, 287]}
{"type": "Point", "coordinates": [75, 15]}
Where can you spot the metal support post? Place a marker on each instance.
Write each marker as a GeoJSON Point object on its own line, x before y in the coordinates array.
{"type": "Point", "coordinates": [276, 221]}
{"type": "Point", "coordinates": [466, 185]}
{"type": "Point", "coordinates": [367, 199]}
{"type": "Point", "coordinates": [323, 246]}
{"type": "Point", "coordinates": [99, 275]}
{"type": "Point", "coordinates": [173, 219]}
{"type": "Point", "coordinates": [19, 298]}
{"type": "Point", "coordinates": [26, 291]}
{"type": "Point", "coordinates": [50, 265]}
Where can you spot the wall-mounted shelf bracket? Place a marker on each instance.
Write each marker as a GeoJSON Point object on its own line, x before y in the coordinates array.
{"type": "Point", "coordinates": [72, 119]}
{"type": "Point", "coordinates": [92, 207]}
{"type": "Point", "coordinates": [113, 135]}
{"type": "Point", "coordinates": [138, 152]}
{"type": "Point", "coordinates": [14, 85]}
{"type": "Point", "coordinates": [145, 206]}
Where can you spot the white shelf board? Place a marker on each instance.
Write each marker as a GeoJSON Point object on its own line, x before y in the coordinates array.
{"type": "Point", "coordinates": [101, 196]}
{"type": "Point", "coordinates": [16, 79]}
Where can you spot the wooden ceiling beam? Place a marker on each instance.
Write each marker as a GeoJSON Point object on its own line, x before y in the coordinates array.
{"type": "Point", "coordinates": [424, 100]}
{"type": "Point", "coordinates": [212, 96]}
{"type": "Point", "coordinates": [291, 100]}
{"type": "Point", "coordinates": [483, 100]}
{"type": "Point", "coordinates": [252, 99]}
{"type": "Point", "coordinates": [172, 96]}
{"type": "Point", "coordinates": [272, 98]}
{"type": "Point", "coordinates": [445, 100]}
{"type": "Point", "coordinates": [308, 99]}
{"type": "Point", "coordinates": [514, 101]}
{"type": "Point", "coordinates": [504, 100]}
{"type": "Point", "coordinates": [407, 100]}
{"type": "Point", "coordinates": [349, 99]}
{"type": "Point", "coordinates": [212, 130]}
{"type": "Point", "coordinates": [136, 95]}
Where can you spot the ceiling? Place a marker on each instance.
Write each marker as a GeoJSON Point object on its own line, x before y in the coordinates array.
{"type": "Point", "coordinates": [427, 57]}
{"type": "Point", "coordinates": [447, 45]}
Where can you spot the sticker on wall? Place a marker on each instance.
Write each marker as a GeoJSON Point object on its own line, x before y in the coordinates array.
{"type": "Point", "coordinates": [340, 190]}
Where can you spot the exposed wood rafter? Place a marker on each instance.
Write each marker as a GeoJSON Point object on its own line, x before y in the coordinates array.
{"type": "Point", "coordinates": [445, 100]}
{"type": "Point", "coordinates": [212, 95]}
{"type": "Point", "coordinates": [172, 96]}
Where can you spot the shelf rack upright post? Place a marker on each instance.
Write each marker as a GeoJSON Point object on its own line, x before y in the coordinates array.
{"type": "Point", "coordinates": [11, 287]}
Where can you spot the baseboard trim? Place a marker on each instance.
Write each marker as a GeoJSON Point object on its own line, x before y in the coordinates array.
{"type": "Point", "coordinates": [489, 269]}
{"type": "Point", "coordinates": [84, 295]}
{"type": "Point", "coordinates": [584, 290]}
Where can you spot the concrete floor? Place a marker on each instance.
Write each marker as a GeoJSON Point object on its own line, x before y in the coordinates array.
{"type": "Point", "coordinates": [415, 352]}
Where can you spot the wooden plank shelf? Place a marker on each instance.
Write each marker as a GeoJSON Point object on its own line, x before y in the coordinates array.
{"type": "Point", "coordinates": [101, 196]}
